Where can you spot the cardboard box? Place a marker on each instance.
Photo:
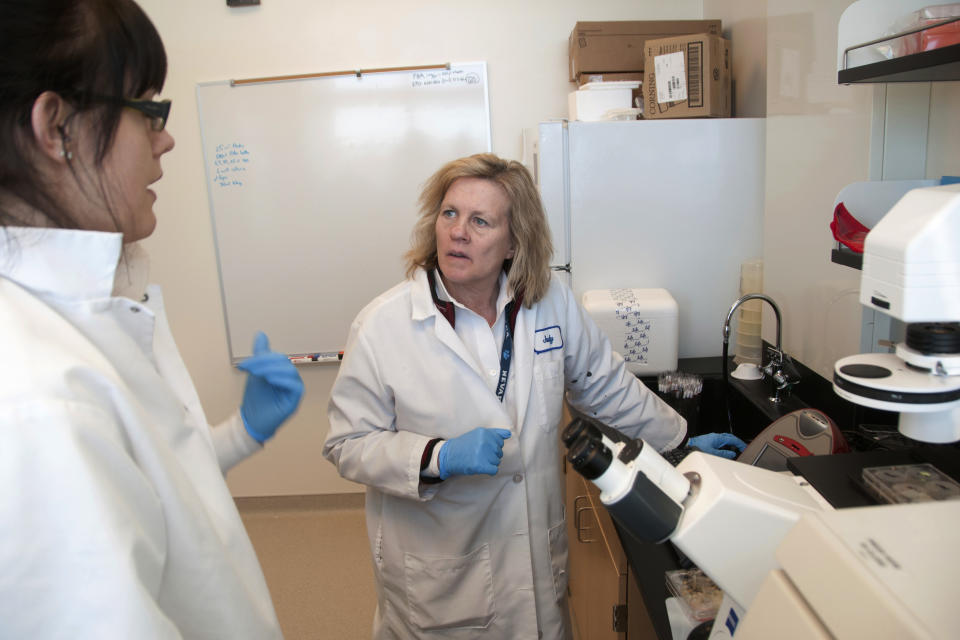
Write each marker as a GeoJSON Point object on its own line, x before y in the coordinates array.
{"type": "Point", "coordinates": [618, 46]}
{"type": "Point", "coordinates": [694, 70]}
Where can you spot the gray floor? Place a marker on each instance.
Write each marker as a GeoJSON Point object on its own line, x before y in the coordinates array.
{"type": "Point", "coordinates": [314, 554]}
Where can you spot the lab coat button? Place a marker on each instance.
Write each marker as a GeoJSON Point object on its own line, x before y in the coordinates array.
{"type": "Point", "coordinates": [135, 309]}
{"type": "Point", "coordinates": [518, 477]}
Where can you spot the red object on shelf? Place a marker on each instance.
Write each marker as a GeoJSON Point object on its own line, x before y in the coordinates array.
{"type": "Point", "coordinates": [942, 36]}
{"type": "Point", "coordinates": [847, 230]}
{"type": "Point", "coordinates": [938, 26]}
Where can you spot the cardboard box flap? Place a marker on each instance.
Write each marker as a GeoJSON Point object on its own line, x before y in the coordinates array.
{"type": "Point", "coordinates": [645, 27]}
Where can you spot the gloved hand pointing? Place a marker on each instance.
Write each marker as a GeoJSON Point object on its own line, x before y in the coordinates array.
{"type": "Point", "coordinates": [476, 451]}
{"type": "Point", "coordinates": [272, 392]}
{"type": "Point", "coordinates": [725, 445]}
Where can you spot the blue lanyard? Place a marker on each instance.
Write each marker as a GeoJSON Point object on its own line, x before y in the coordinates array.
{"type": "Point", "coordinates": [506, 353]}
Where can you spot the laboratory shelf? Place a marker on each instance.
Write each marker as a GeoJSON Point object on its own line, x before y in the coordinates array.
{"type": "Point", "coordinates": [847, 258]}
{"type": "Point", "coordinates": [868, 202]}
{"type": "Point", "coordinates": [925, 66]}
{"type": "Point", "coordinates": [881, 60]}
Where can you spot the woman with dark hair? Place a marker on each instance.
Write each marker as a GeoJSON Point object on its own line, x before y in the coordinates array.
{"type": "Point", "coordinates": [447, 406]}
{"type": "Point", "coordinates": [116, 520]}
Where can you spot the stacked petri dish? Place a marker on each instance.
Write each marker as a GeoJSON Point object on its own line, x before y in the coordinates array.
{"type": "Point", "coordinates": [749, 343]}
{"type": "Point", "coordinates": [748, 350]}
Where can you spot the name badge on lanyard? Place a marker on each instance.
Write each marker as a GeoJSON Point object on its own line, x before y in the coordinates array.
{"type": "Point", "coordinates": [506, 353]}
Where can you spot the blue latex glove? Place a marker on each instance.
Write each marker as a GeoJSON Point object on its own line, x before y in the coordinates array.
{"type": "Point", "coordinates": [476, 451]}
{"type": "Point", "coordinates": [272, 392]}
{"type": "Point", "coordinates": [725, 445]}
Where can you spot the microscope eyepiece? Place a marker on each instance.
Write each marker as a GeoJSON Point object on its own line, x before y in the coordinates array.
{"type": "Point", "coordinates": [589, 456]}
{"type": "Point", "coordinates": [578, 427]}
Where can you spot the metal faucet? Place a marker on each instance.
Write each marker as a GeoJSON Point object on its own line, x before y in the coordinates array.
{"type": "Point", "coordinates": [779, 368]}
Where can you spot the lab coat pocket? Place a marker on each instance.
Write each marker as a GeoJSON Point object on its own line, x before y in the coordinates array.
{"type": "Point", "coordinates": [449, 592]}
{"type": "Point", "coordinates": [558, 558]}
{"type": "Point", "coordinates": [548, 378]}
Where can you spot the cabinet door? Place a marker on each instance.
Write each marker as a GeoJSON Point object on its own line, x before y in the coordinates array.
{"type": "Point", "coordinates": [596, 585]}
{"type": "Point", "coordinates": [639, 624]}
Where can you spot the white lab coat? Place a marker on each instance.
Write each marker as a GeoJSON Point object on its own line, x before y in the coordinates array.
{"type": "Point", "coordinates": [474, 556]}
{"type": "Point", "coordinates": [115, 520]}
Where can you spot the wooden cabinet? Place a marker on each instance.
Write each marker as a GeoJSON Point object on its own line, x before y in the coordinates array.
{"type": "Point", "coordinates": [604, 599]}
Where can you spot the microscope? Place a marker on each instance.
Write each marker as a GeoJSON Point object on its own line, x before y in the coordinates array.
{"type": "Point", "coordinates": [911, 271]}
{"type": "Point", "coordinates": [729, 517]}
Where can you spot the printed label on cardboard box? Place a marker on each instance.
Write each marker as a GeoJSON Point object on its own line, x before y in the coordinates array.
{"type": "Point", "coordinates": [671, 77]}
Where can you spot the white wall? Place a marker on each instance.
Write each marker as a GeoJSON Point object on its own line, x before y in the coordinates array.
{"type": "Point", "coordinates": [525, 47]}
{"type": "Point", "coordinates": [943, 141]}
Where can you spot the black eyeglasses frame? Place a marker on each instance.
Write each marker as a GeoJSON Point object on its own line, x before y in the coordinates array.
{"type": "Point", "coordinates": [156, 110]}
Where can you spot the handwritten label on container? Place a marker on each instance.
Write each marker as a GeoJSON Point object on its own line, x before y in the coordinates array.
{"type": "Point", "coordinates": [230, 164]}
{"type": "Point", "coordinates": [636, 340]}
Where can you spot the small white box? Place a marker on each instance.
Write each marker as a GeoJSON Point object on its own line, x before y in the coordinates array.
{"type": "Point", "coordinates": [593, 100]}
{"type": "Point", "coordinates": [641, 324]}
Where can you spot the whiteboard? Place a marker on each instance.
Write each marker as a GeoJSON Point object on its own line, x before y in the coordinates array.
{"type": "Point", "coordinates": [313, 186]}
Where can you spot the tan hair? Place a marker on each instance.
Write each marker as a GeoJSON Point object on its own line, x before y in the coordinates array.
{"type": "Point", "coordinates": [529, 270]}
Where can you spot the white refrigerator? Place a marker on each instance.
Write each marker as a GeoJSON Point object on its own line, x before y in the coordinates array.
{"type": "Point", "coordinates": [673, 204]}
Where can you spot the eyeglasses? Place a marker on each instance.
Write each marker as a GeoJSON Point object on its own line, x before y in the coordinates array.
{"type": "Point", "coordinates": [156, 111]}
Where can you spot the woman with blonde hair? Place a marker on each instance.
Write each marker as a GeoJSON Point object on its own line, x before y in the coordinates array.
{"type": "Point", "coordinates": [447, 407]}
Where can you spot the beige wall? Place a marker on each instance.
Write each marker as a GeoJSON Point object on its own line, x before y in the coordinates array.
{"type": "Point", "coordinates": [745, 25]}
{"type": "Point", "coordinates": [525, 47]}
{"type": "Point", "coordinates": [818, 137]}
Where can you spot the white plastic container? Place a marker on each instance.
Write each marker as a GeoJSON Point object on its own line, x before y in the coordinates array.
{"type": "Point", "coordinates": [594, 100]}
{"type": "Point", "coordinates": [641, 324]}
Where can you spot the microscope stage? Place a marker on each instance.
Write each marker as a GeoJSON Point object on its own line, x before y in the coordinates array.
{"type": "Point", "coordinates": [884, 381]}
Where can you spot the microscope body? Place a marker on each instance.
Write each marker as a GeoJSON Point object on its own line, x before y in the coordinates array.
{"type": "Point", "coordinates": [726, 516]}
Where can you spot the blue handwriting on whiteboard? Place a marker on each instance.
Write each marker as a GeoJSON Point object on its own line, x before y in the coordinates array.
{"type": "Point", "coordinates": [230, 162]}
